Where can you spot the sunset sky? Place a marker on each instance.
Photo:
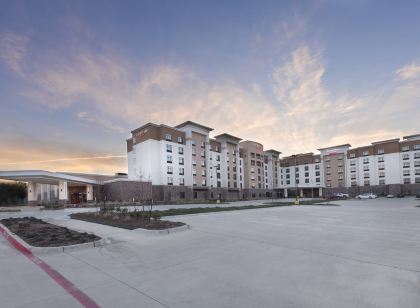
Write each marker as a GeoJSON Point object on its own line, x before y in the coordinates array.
{"type": "Point", "coordinates": [77, 76]}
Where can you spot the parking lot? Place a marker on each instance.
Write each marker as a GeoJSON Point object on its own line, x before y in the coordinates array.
{"type": "Point", "coordinates": [363, 253]}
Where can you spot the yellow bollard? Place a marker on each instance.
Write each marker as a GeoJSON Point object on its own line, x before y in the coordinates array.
{"type": "Point", "coordinates": [218, 201]}
{"type": "Point", "coordinates": [297, 201]}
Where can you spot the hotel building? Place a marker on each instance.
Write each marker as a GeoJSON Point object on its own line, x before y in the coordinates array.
{"type": "Point", "coordinates": [184, 163]}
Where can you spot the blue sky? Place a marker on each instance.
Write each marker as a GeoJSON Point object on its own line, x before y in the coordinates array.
{"type": "Point", "coordinates": [77, 76]}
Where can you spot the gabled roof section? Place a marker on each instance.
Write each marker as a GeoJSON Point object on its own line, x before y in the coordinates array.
{"type": "Point", "coordinates": [227, 136]}
{"type": "Point", "coordinates": [194, 124]}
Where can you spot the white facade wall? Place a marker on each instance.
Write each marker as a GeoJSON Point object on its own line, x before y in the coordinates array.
{"type": "Point", "coordinates": [302, 179]}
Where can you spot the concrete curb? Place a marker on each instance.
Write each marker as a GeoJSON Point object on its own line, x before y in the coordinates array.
{"type": "Point", "coordinates": [163, 231]}
{"type": "Point", "coordinates": [44, 250]}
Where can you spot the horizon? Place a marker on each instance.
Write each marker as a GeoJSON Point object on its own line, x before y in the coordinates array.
{"type": "Point", "coordinates": [77, 77]}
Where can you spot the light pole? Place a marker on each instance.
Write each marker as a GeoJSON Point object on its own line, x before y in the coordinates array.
{"type": "Point", "coordinates": [296, 182]}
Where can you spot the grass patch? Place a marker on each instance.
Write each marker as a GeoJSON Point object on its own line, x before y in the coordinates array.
{"type": "Point", "coordinates": [9, 210]}
{"type": "Point", "coordinates": [321, 202]}
{"type": "Point", "coordinates": [198, 210]}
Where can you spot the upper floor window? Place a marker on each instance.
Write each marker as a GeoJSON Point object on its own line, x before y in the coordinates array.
{"type": "Point", "coordinates": [193, 142]}
{"type": "Point", "coordinates": [405, 148]}
{"type": "Point", "coordinates": [179, 139]}
{"type": "Point", "coordinates": [180, 150]}
{"type": "Point", "coordinates": [203, 144]}
{"type": "Point", "coordinates": [352, 155]}
{"type": "Point", "coordinates": [381, 159]}
{"type": "Point", "coordinates": [168, 137]}
{"type": "Point", "coordinates": [406, 156]}
{"type": "Point", "coordinates": [169, 148]}
{"type": "Point", "coordinates": [169, 159]}
{"type": "Point", "coordinates": [416, 147]}
{"type": "Point", "coordinates": [366, 160]}
{"type": "Point", "coordinates": [365, 153]}
{"type": "Point", "coordinates": [181, 160]}
{"type": "Point", "coordinates": [381, 151]}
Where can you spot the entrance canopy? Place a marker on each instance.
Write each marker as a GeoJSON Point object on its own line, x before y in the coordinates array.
{"type": "Point", "coordinates": [46, 177]}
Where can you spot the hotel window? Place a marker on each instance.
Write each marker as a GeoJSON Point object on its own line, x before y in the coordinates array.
{"type": "Point", "coordinates": [417, 172]}
{"type": "Point", "coordinates": [340, 165]}
{"type": "Point", "coordinates": [252, 155]}
{"type": "Point", "coordinates": [407, 181]}
{"type": "Point", "coordinates": [179, 139]}
{"type": "Point", "coordinates": [203, 144]}
{"type": "Point", "coordinates": [193, 151]}
{"type": "Point", "coordinates": [317, 180]}
{"type": "Point", "coordinates": [340, 157]}
{"type": "Point", "coordinates": [352, 162]}
{"type": "Point", "coordinates": [365, 153]}
{"type": "Point", "coordinates": [194, 182]}
{"type": "Point", "coordinates": [353, 177]}
{"type": "Point", "coordinates": [287, 170]}
{"type": "Point", "coordinates": [381, 166]}
{"type": "Point", "coordinates": [297, 181]}
{"type": "Point", "coordinates": [340, 177]}
{"type": "Point", "coordinates": [252, 162]}
{"type": "Point", "coordinates": [366, 160]}
{"type": "Point", "coordinates": [381, 182]}
{"type": "Point", "coordinates": [417, 163]}
{"type": "Point", "coordinates": [168, 137]}
{"type": "Point", "coordinates": [306, 181]}
{"type": "Point", "coordinates": [306, 168]}
{"type": "Point", "coordinates": [194, 171]}
{"type": "Point", "coordinates": [169, 148]}
{"type": "Point", "coordinates": [288, 182]}
{"type": "Point", "coordinates": [169, 169]}
{"type": "Point", "coordinates": [181, 171]}
{"type": "Point", "coordinates": [316, 167]}
{"type": "Point", "coordinates": [252, 170]}
{"type": "Point", "coordinates": [381, 151]}
{"type": "Point", "coordinates": [417, 155]}
{"type": "Point", "coordinates": [328, 184]}
{"type": "Point", "coordinates": [417, 180]}
{"type": "Point", "coordinates": [405, 148]}
{"type": "Point", "coordinates": [406, 172]}
{"type": "Point", "coordinates": [193, 142]}
{"type": "Point", "coordinates": [170, 180]}
{"type": "Point", "coordinates": [180, 150]}
{"type": "Point", "coordinates": [296, 169]}
{"type": "Point", "coordinates": [340, 170]}
{"type": "Point", "coordinates": [365, 168]}
{"type": "Point", "coordinates": [317, 173]}
{"type": "Point", "coordinates": [203, 163]}
{"type": "Point", "coordinates": [194, 162]}
{"type": "Point", "coordinates": [328, 166]}
{"type": "Point", "coordinates": [406, 165]}
{"type": "Point", "coordinates": [406, 156]}
{"type": "Point", "coordinates": [353, 183]}
{"type": "Point", "coordinates": [327, 158]}
{"type": "Point", "coordinates": [181, 160]}
{"type": "Point", "coordinates": [416, 147]}
{"type": "Point", "coordinates": [306, 174]}
{"type": "Point", "coordinates": [381, 174]}
{"type": "Point", "coordinates": [218, 158]}
{"type": "Point", "coordinates": [381, 159]}
{"type": "Point", "coordinates": [203, 153]}
{"type": "Point", "coordinates": [366, 175]}
{"type": "Point", "coordinates": [203, 172]}
{"type": "Point", "coordinates": [316, 160]}
{"type": "Point", "coordinates": [352, 155]}
{"type": "Point", "coordinates": [169, 159]}
{"type": "Point", "coordinates": [367, 182]}
{"type": "Point", "coordinates": [181, 181]}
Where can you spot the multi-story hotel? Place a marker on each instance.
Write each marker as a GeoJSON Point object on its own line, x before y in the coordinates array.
{"type": "Point", "coordinates": [183, 162]}
{"type": "Point", "coordinates": [226, 167]}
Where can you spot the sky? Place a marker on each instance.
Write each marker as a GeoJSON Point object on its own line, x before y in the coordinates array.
{"type": "Point", "coordinates": [77, 76]}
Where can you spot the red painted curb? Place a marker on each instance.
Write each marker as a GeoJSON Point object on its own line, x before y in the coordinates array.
{"type": "Point", "coordinates": [70, 288]}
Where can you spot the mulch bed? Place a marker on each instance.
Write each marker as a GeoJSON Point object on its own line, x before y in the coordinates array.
{"type": "Point", "coordinates": [39, 233]}
{"type": "Point", "coordinates": [124, 221]}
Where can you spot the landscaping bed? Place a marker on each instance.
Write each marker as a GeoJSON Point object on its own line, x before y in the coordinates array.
{"type": "Point", "coordinates": [39, 233]}
{"type": "Point", "coordinates": [128, 220]}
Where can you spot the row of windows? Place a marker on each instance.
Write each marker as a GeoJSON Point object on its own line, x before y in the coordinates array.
{"type": "Point", "coordinates": [168, 137]}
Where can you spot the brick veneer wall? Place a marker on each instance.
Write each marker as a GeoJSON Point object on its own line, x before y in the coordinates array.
{"type": "Point", "coordinates": [127, 190]}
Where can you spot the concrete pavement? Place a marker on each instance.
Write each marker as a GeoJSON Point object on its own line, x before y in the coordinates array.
{"type": "Point", "coordinates": [361, 254]}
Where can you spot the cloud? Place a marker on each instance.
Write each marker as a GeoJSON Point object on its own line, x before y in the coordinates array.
{"type": "Point", "coordinates": [96, 120]}
{"type": "Point", "coordinates": [13, 48]}
{"type": "Point", "coordinates": [408, 72]}
{"type": "Point", "coordinates": [297, 113]}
